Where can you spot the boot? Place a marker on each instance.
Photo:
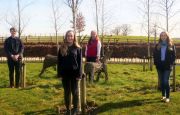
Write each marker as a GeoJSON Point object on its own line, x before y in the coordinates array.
{"type": "Point", "coordinates": [68, 112]}
{"type": "Point", "coordinates": [74, 111]}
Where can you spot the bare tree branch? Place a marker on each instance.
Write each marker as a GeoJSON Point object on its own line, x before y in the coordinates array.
{"type": "Point", "coordinates": [167, 8]}
{"type": "Point", "coordinates": [73, 5]}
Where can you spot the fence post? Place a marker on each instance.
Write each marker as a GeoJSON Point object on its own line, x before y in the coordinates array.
{"type": "Point", "coordinates": [2, 40]}
{"type": "Point", "coordinates": [26, 39]}
{"type": "Point", "coordinates": [51, 39]}
{"type": "Point", "coordinates": [39, 39]}
{"type": "Point", "coordinates": [144, 64]}
{"type": "Point", "coordinates": [23, 75]}
{"type": "Point", "coordinates": [174, 78]}
{"type": "Point", "coordinates": [83, 94]}
{"type": "Point", "coordinates": [79, 95]}
{"type": "Point", "coordinates": [151, 63]}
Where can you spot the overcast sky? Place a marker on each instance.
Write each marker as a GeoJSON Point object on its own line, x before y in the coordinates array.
{"type": "Point", "coordinates": [117, 12]}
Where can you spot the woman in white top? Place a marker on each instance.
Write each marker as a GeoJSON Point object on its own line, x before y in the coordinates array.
{"type": "Point", "coordinates": [93, 48]}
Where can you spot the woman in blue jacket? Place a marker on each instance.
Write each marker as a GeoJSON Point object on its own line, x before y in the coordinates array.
{"type": "Point", "coordinates": [164, 58]}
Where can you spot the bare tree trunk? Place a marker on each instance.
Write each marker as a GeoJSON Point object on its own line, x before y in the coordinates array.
{"type": "Point", "coordinates": [56, 15]}
{"type": "Point", "coordinates": [167, 6]}
{"type": "Point", "coordinates": [97, 24]}
{"type": "Point", "coordinates": [103, 24]}
{"type": "Point", "coordinates": [149, 54]}
{"type": "Point", "coordinates": [167, 17]}
{"type": "Point", "coordinates": [73, 4]}
{"type": "Point", "coordinates": [57, 43]}
{"type": "Point", "coordinates": [74, 11]}
{"type": "Point", "coordinates": [155, 34]}
{"type": "Point", "coordinates": [19, 19]}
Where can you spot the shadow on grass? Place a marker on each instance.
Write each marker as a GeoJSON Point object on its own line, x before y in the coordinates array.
{"type": "Point", "coordinates": [4, 86]}
{"type": "Point", "coordinates": [41, 112]}
{"type": "Point", "coordinates": [48, 77]}
{"type": "Point", "coordinates": [57, 86]}
{"type": "Point", "coordinates": [124, 104]}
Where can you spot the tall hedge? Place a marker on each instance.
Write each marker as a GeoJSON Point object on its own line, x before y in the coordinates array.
{"type": "Point", "coordinates": [120, 50]}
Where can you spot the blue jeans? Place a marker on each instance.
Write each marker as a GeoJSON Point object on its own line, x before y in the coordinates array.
{"type": "Point", "coordinates": [164, 80]}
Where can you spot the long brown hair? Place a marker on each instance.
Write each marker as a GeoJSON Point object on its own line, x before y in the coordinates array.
{"type": "Point", "coordinates": [169, 40]}
{"type": "Point", "coordinates": [64, 46]}
{"type": "Point", "coordinates": [90, 39]}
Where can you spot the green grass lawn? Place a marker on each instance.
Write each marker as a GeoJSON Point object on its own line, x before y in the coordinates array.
{"type": "Point", "coordinates": [129, 91]}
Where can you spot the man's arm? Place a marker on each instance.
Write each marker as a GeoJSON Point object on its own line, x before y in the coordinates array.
{"type": "Point", "coordinates": [7, 49]}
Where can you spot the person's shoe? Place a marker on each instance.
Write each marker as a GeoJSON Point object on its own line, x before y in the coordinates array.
{"type": "Point", "coordinates": [17, 86]}
{"type": "Point", "coordinates": [68, 112]}
{"type": "Point", "coordinates": [11, 86]}
{"type": "Point", "coordinates": [163, 99]}
{"type": "Point", "coordinates": [167, 100]}
{"type": "Point", "coordinates": [75, 111]}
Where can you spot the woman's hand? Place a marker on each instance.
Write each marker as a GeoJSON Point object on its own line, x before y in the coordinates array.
{"type": "Point", "coordinates": [97, 60]}
{"type": "Point", "coordinates": [78, 78]}
{"type": "Point", "coordinates": [14, 57]}
{"type": "Point", "coordinates": [61, 78]}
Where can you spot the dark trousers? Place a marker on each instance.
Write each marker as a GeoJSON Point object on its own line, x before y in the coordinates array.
{"type": "Point", "coordinates": [164, 80]}
{"type": "Point", "coordinates": [70, 85]}
{"type": "Point", "coordinates": [91, 59]}
{"type": "Point", "coordinates": [14, 65]}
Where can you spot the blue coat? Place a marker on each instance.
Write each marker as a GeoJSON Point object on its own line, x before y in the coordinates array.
{"type": "Point", "coordinates": [170, 57]}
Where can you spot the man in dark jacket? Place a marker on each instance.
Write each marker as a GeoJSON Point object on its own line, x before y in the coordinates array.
{"type": "Point", "coordinates": [14, 48]}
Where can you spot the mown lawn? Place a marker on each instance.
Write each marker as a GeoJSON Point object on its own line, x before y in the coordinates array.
{"type": "Point", "coordinates": [129, 91]}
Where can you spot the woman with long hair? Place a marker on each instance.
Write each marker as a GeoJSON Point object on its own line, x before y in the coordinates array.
{"type": "Point", "coordinates": [70, 70]}
{"type": "Point", "coordinates": [164, 58]}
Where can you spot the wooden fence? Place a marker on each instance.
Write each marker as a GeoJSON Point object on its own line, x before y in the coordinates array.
{"type": "Point", "coordinates": [111, 60]}
{"type": "Point", "coordinates": [84, 39]}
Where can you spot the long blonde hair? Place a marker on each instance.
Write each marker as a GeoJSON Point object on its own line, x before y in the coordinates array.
{"type": "Point", "coordinates": [64, 46]}
{"type": "Point", "coordinates": [169, 40]}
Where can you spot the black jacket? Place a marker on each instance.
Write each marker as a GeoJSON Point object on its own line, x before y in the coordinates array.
{"type": "Point", "coordinates": [70, 65]}
{"type": "Point", "coordinates": [170, 57]}
{"type": "Point", "coordinates": [13, 46]}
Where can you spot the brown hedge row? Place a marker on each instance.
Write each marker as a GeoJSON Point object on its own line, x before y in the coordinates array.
{"type": "Point", "coordinates": [120, 50]}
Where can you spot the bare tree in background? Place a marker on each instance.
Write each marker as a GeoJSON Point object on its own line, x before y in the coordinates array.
{"type": "Point", "coordinates": [80, 23]}
{"type": "Point", "coordinates": [97, 19]}
{"type": "Point", "coordinates": [56, 19]}
{"type": "Point", "coordinates": [73, 4]}
{"type": "Point", "coordinates": [167, 6]}
{"type": "Point", "coordinates": [147, 12]}
{"type": "Point", "coordinates": [154, 31]}
{"type": "Point", "coordinates": [17, 20]}
{"type": "Point", "coordinates": [117, 30]}
{"type": "Point", "coordinates": [126, 29]}
{"type": "Point", "coordinates": [105, 21]}
{"type": "Point", "coordinates": [156, 26]}
{"type": "Point", "coordinates": [102, 16]}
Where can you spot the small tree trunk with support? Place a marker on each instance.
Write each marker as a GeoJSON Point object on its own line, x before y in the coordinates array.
{"type": "Point", "coordinates": [79, 96]}
{"type": "Point", "coordinates": [174, 78]}
{"type": "Point", "coordinates": [144, 64]}
{"type": "Point", "coordinates": [151, 63]}
{"type": "Point", "coordinates": [24, 75]}
{"type": "Point", "coordinates": [83, 94]}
